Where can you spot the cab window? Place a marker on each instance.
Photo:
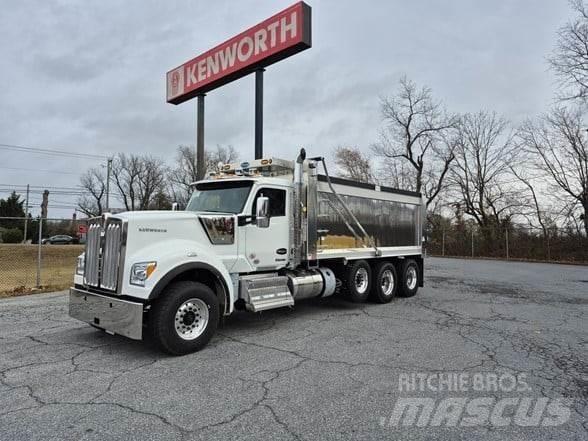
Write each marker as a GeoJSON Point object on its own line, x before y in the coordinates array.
{"type": "Point", "coordinates": [277, 201]}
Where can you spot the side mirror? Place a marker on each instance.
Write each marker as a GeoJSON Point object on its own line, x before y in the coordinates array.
{"type": "Point", "coordinates": [262, 219]}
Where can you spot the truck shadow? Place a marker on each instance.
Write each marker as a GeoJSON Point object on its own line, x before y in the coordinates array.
{"type": "Point", "coordinates": [309, 309]}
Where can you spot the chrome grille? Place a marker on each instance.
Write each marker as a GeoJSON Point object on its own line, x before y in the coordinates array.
{"type": "Point", "coordinates": [111, 252]}
{"type": "Point", "coordinates": [92, 265]}
{"type": "Point", "coordinates": [104, 242]}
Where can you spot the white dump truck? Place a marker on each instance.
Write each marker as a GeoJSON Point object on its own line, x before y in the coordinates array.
{"type": "Point", "coordinates": [255, 236]}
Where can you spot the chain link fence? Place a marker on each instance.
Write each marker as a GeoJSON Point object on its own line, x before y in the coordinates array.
{"type": "Point", "coordinates": [515, 242]}
{"type": "Point", "coordinates": [39, 254]}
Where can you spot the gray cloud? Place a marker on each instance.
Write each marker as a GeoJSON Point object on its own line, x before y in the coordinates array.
{"type": "Point", "coordinates": [89, 76]}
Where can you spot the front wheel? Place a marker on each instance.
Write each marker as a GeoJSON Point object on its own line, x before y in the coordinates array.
{"type": "Point", "coordinates": [184, 318]}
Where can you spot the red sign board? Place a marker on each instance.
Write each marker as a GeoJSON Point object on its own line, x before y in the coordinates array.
{"type": "Point", "coordinates": [82, 229]}
{"type": "Point", "coordinates": [278, 37]}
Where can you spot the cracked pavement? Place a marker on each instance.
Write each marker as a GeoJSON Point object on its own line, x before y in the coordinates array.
{"type": "Point", "coordinates": [326, 369]}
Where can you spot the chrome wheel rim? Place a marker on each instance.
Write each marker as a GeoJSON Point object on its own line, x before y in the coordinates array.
{"type": "Point", "coordinates": [361, 280]}
{"type": "Point", "coordinates": [411, 278]}
{"type": "Point", "coordinates": [191, 319]}
{"type": "Point", "coordinates": [387, 283]}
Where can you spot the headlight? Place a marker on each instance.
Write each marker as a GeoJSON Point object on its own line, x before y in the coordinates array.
{"type": "Point", "coordinates": [80, 264]}
{"type": "Point", "coordinates": [141, 271]}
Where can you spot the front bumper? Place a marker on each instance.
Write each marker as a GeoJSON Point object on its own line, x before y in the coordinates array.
{"type": "Point", "coordinates": [111, 314]}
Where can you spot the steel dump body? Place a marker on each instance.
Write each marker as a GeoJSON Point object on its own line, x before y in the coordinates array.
{"type": "Point", "coordinates": [391, 218]}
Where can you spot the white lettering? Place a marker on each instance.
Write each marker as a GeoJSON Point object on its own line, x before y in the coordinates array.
{"type": "Point", "coordinates": [202, 70]}
{"type": "Point", "coordinates": [212, 65]}
{"type": "Point", "coordinates": [227, 56]}
{"type": "Point", "coordinates": [413, 407]}
{"type": "Point", "coordinates": [478, 411]}
{"type": "Point", "coordinates": [288, 27]}
{"type": "Point", "coordinates": [260, 37]}
{"type": "Point", "coordinates": [497, 417]}
{"type": "Point", "coordinates": [404, 383]}
{"type": "Point", "coordinates": [560, 412]}
{"type": "Point", "coordinates": [522, 417]}
{"type": "Point", "coordinates": [243, 56]}
{"type": "Point", "coordinates": [191, 75]}
{"type": "Point", "coordinates": [449, 410]}
{"type": "Point", "coordinates": [272, 30]}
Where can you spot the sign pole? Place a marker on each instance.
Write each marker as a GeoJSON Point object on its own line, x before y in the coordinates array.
{"type": "Point", "coordinates": [200, 163]}
{"type": "Point", "coordinates": [259, 113]}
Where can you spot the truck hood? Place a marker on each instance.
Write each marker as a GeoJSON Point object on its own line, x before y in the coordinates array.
{"type": "Point", "coordinates": [145, 228]}
{"type": "Point", "coordinates": [172, 239]}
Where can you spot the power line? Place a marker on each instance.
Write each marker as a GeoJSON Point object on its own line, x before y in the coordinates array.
{"type": "Point", "coordinates": [49, 187]}
{"type": "Point", "coordinates": [51, 152]}
{"type": "Point", "coordinates": [39, 170]}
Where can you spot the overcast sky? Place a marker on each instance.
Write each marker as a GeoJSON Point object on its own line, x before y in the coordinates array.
{"type": "Point", "coordinates": [90, 76]}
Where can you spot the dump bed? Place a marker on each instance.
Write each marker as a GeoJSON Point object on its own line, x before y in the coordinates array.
{"type": "Point", "coordinates": [392, 219]}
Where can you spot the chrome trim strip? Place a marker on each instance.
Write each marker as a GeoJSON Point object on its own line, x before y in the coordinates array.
{"type": "Point", "coordinates": [113, 315]}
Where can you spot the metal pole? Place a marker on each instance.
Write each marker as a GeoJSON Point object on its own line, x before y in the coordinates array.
{"type": "Point", "coordinates": [39, 252]}
{"type": "Point", "coordinates": [259, 113]}
{"type": "Point", "coordinates": [548, 248]}
{"type": "Point", "coordinates": [200, 164]}
{"type": "Point", "coordinates": [26, 216]}
{"type": "Point", "coordinates": [108, 171]}
{"type": "Point", "coordinates": [472, 242]}
{"type": "Point", "coordinates": [443, 244]}
{"type": "Point", "coordinates": [507, 256]}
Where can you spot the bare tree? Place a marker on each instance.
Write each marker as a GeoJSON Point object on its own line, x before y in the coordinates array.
{"type": "Point", "coordinates": [534, 203]}
{"type": "Point", "coordinates": [569, 60]}
{"type": "Point", "coordinates": [93, 182]}
{"type": "Point", "coordinates": [183, 172]}
{"type": "Point", "coordinates": [559, 143]}
{"type": "Point", "coordinates": [417, 132]}
{"type": "Point", "coordinates": [353, 164]}
{"type": "Point", "coordinates": [480, 172]}
{"type": "Point", "coordinates": [138, 179]}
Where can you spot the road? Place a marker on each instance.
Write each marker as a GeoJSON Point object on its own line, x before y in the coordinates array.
{"type": "Point", "coordinates": [324, 370]}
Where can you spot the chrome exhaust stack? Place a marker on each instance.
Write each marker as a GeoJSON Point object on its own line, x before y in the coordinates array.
{"type": "Point", "coordinates": [298, 205]}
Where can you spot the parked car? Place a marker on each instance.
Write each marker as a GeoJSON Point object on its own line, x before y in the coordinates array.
{"type": "Point", "coordinates": [60, 239]}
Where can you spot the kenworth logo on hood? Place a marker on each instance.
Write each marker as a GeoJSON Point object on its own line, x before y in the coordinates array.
{"type": "Point", "coordinates": [152, 230]}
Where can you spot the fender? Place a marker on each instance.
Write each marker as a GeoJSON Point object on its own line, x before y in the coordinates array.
{"type": "Point", "coordinates": [170, 275]}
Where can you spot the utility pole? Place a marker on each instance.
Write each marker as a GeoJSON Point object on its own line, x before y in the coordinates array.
{"type": "Point", "coordinates": [26, 216]}
{"type": "Point", "coordinates": [108, 171]}
{"type": "Point", "coordinates": [39, 250]}
{"type": "Point", "coordinates": [44, 204]}
{"type": "Point", "coordinates": [200, 164]}
{"type": "Point", "coordinates": [259, 113]}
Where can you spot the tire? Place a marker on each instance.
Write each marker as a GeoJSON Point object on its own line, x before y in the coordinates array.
{"type": "Point", "coordinates": [385, 282]}
{"type": "Point", "coordinates": [357, 281]}
{"type": "Point", "coordinates": [184, 318]}
{"type": "Point", "coordinates": [409, 279]}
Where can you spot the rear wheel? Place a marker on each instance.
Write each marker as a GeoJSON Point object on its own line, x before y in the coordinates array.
{"type": "Point", "coordinates": [184, 318]}
{"type": "Point", "coordinates": [385, 282]}
{"type": "Point", "coordinates": [409, 278]}
{"type": "Point", "coordinates": [357, 281]}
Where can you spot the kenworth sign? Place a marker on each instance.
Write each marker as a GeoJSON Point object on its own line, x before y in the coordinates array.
{"type": "Point", "coordinates": [272, 40]}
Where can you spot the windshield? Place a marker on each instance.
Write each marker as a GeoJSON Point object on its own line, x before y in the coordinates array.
{"type": "Point", "coordinates": [222, 197]}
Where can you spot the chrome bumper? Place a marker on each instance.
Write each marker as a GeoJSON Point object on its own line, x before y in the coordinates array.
{"type": "Point", "coordinates": [113, 315]}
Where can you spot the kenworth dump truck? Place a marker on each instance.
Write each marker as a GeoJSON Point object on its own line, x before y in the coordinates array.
{"type": "Point", "coordinates": [254, 236]}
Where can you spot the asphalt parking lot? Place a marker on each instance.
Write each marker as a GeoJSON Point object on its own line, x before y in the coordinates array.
{"type": "Point", "coordinates": [323, 370]}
